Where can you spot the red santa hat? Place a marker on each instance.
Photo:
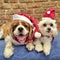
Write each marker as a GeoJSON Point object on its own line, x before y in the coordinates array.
{"type": "Point", "coordinates": [50, 13]}
{"type": "Point", "coordinates": [29, 19]}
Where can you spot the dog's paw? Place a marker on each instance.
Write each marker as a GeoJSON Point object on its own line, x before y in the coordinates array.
{"type": "Point", "coordinates": [38, 48]}
{"type": "Point", "coordinates": [47, 52]}
{"type": "Point", "coordinates": [30, 46]}
{"type": "Point", "coordinates": [8, 52]}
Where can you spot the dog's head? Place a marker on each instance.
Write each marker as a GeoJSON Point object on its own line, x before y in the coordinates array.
{"type": "Point", "coordinates": [21, 29]}
{"type": "Point", "coordinates": [48, 26]}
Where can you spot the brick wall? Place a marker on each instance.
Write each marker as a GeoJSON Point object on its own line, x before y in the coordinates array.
{"type": "Point", "coordinates": [35, 8]}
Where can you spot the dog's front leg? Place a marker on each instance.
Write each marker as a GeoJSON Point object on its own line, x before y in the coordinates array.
{"type": "Point", "coordinates": [38, 45]}
{"type": "Point", "coordinates": [30, 46]}
{"type": "Point", "coordinates": [47, 46]}
{"type": "Point", "coordinates": [8, 52]}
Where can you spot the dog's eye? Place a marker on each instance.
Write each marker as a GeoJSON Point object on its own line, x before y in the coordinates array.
{"type": "Point", "coordinates": [15, 26]}
{"type": "Point", "coordinates": [25, 25]}
{"type": "Point", "coordinates": [44, 25]}
{"type": "Point", "coordinates": [51, 24]}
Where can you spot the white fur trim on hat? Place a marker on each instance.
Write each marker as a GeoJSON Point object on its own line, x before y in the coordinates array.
{"type": "Point", "coordinates": [23, 18]}
{"type": "Point", "coordinates": [47, 18]}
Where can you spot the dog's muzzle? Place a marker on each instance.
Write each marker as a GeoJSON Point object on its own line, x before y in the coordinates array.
{"type": "Point", "coordinates": [20, 29]}
{"type": "Point", "coordinates": [48, 30]}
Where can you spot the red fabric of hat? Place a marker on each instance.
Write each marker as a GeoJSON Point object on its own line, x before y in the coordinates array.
{"type": "Point", "coordinates": [32, 19]}
{"type": "Point", "coordinates": [50, 13]}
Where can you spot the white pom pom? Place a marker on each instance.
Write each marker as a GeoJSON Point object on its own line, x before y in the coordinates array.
{"type": "Point", "coordinates": [48, 12]}
{"type": "Point", "coordinates": [37, 35]}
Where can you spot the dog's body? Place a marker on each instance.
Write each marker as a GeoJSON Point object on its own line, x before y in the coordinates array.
{"type": "Point", "coordinates": [48, 29]}
{"type": "Point", "coordinates": [16, 32]}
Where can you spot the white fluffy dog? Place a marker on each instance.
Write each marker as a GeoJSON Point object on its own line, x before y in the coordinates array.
{"type": "Point", "coordinates": [48, 29]}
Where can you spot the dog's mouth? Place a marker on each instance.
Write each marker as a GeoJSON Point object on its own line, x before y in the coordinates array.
{"type": "Point", "coordinates": [21, 37]}
{"type": "Point", "coordinates": [49, 31]}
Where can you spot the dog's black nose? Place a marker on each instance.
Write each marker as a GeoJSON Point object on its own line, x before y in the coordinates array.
{"type": "Point", "coordinates": [20, 29]}
{"type": "Point", "coordinates": [49, 29]}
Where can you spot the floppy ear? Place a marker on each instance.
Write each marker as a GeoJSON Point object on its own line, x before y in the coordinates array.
{"type": "Point", "coordinates": [6, 29]}
{"type": "Point", "coordinates": [14, 24]}
{"type": "Point", "coordinates": [30, 32]}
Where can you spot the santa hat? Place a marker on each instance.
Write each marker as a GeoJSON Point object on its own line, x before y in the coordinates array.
{"type": "Point", "coordinates": [27, 18]}
{"type": "Point", "coordinates": [50, 14]}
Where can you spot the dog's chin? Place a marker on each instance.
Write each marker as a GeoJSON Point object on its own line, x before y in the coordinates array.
{"type": "Point", "coordinates": [21, 37]}
{"type": "Point", "coordinates": [47, 33]}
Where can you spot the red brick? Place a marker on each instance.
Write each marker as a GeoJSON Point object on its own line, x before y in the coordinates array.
{"type": "Point", "coordinates": [6, 1]}
{"type": "Point", "coordinates": [16, 10]}
{"type": "Point", "coordinates": [40, 0]}
{"type": "Point", "coordinates": [8, 17]}
{"type": "Point", "coordinates": [58, 3]}
{"type": "Point", "coordinates": [13, 11]}
{"type": "Point", "coordinates": [55, 0]}
{"type": "Point", "coordinates": [13, 1]}
{"type": "Point", "coordinates": [57, 15]}
{"type": "Point", "coordinates": [58, 24]}
{"type": "Point", "coordinates": [34, 8]}
{"type": "Point", "coordinates": [23, 10]}
{"type": "Point", "coordinates": [25, 1]}
{"type": "Point", "coordinates": [1, 1]}
{"type": "Point", "coordinates": [57, 9]}
{"type": "Point", "coordinates": [29, 11]}
{"type": "Point", "coordinates": [22, 5]}
{"type": "Point", "coordinates": [48, 4]}
{"type": "Point", "coordinates": [0, 5]}
{"type": "Point", "coordinates": [15, 6]}
{"type": "Point", "coordinates": [58, 20]}
{"type": "Point", "coordinates": [18, 6]}
{"type": "Point", "coordinates": [1, 17]}
{"type": "Point", "coordinates": [10, 1]}
{"type": "Point", "coordinates": [2, 22]}
{"type": "Point", "coordinates": [4, 17]}
{"type": "Point", "coordinates": [58, 29]}
{"type": "Point", "coordinates": [2, 11]}
{"type": "Point", "coordinates": [37, 16]}
{"type": "Point", "coordinates": [6, 6]}
{"type": "Point", "coordinates": [8, 12]}
{"type": "Point", "coordinates": [39, 10]}
{"type": "Point", "coordinates": [33, 5]}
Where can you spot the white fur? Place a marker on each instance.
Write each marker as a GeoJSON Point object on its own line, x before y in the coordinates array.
{"type": "Point", "coordinates": [16, 32]}
{"type": "Point", "coordinates": [46, 47]}
{"type": "Point", "coordinates": [44, 29]}
{"type": "Point", "coordinates": [30, 46]}
{"type": "Point", "coordinates": [38, 46]}
{"type": "Point", "coordinates": [1, 33]}
{"type": "Point", "coordinates": [8, 52]}
{"type": "Point", "coordinates": [21, 17]}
